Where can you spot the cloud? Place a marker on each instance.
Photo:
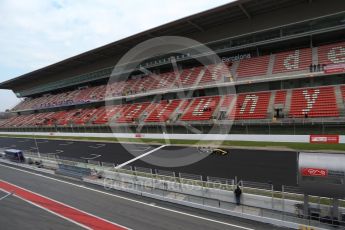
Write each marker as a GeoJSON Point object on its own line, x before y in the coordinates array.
{"type": "Point", "coordinates": [36, 33]}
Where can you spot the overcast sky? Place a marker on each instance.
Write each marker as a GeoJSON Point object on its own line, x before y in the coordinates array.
{"type": "Point", "coordinates": [36, 33]}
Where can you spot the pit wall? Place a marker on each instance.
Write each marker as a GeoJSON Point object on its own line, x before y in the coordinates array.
{"type": "Point", "coordinates": [205, 137]}
{"type": "Point", "coordinates": [210, 199]}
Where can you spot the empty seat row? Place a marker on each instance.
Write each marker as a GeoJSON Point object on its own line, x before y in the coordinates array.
{"type": "Point", "coordinates": [314, 102]}
{"type": "Point", "coordinates": [292, 61]}
{"type": "Point", "coordinates": [139, 84]}
{"type": "Point", "coordinates": [201, 109]}
{"type": "Point", "coordinates": [251, 106]}
{"type": "Point", "coordinates": [304, 103]}
{"type": "Point", "coordinates": [331, 54]}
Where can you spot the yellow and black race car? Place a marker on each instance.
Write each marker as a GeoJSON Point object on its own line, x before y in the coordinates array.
{"type": "Point", "coordinates": [220, 152]}
{"type": "Point", "coordinates": [210, 150]}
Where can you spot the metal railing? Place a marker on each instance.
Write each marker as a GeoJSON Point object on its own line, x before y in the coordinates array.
{"type": "Point", "coordinates": [280, 201]}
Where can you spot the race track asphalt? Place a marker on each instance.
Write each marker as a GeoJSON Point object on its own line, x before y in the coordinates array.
{"type": "Point", "coordinates": [18, 214]}
{"type": "Point", "coordinates": [128, 210]}
{"type": "Point", "coordinates": [276, 167]}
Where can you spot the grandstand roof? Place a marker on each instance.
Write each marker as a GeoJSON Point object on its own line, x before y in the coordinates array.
{"type": "Point", "coordinates": [200, 22]}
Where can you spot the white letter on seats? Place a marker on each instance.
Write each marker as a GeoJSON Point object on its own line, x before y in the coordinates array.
{"type": "Point", "coordinates": [336, 55]}
{"type": "Point", "coordinates": [292, 61]}
{"type": "Point", "coordinates": [311, 99]}
{"type": "Point", "coordinates": [248, 98]}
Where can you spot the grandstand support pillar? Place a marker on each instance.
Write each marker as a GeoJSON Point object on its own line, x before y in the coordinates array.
{"type": "Point", "coordinates": [306, 206]}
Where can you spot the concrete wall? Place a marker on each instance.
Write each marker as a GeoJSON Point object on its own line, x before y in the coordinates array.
{"type": "Point", "coordinates": [215, 200]}
{"type": "Point", "coordinates": [215, 137]}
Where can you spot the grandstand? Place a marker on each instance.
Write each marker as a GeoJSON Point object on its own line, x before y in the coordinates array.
{"type": "Point", "coordinates": [288, 74]}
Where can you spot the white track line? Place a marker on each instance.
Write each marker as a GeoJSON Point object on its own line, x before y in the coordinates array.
{"type": "Point", "coordinates": [42, 142]}
{"type": "Point", "coordinates": [97, 146]}
{"type": "Point", "coordinates": [67, 143]}
{"type": "Point", "coordinates": [131, 200]}
{"type": "Point", "coordinates": [140, 156]}
{"type": "Point", "coordinates": [7, 194]}
{"type": "Point", "coordinates": [139, 150]}
{"type": "Point", "coordinates": [22, 141]}
{"type": "Point", "coordinates": [79, 210]}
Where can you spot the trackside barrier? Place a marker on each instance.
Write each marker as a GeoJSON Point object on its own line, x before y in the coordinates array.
{"type": "Point", "coordinates": [73, 171]}
{"type": "Point", "coordinates": [216, 194]}
{"type": "Point", "coordinates": [205, 137]}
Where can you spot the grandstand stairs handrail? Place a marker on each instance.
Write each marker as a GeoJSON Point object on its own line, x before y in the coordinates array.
{"type": "Point", "coordinates": [94, 117]}
{"type": "Point", "coordinates": [287, 106]}
{"type": "Point", "coordinates": [201, 74]}
{"type": "Point", "coordinates": [270, 107]}
{"type": "Point", "coordinates": [180, 82]}
{"type": "Point", "coordinates": [213, 72]}
{"type": "Point", "coordinates": [173, 116]}
{"type": "Point", "coordinates": [215, 113]}
{"type": "Point", "coordinates": [271, 65]}
{"type": "Point", "coordinates": [138, 82]}
{"type": "Point", "coordinates": [113, 118]}
{"type": "Point", "coordinates": [147, 112]}
{"type": "Point", "coordinates": [339, 100]}
{"type": "Point", "coordinates": [188, 106]}
{"type": "Point", "coordinates": [231, 107]}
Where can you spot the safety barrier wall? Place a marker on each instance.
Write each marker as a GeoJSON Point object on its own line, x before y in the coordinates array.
{"type": "Point", "coordinates": [277, 211]}
{"type": "Point", "coordinates": [216, 137]}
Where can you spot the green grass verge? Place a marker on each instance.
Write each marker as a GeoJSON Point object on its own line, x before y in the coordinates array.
{"type": "Point", "coordinates": [251, 144]}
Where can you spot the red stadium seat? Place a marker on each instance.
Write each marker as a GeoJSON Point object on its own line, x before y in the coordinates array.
{"type": "Point", "coordinates": [290, 61]}
{"type": "Point", "coordinates": [214, 73]}
{"type": "Point", "coordinates": [314, 102]}
{"type": "Point", "coordinates": [251, 106]}
{"type": "Point", "coordinates": [201, 109]}
{"type": "Point", "coordinates": [252, 67]}
{"type": "Point", "coordinates": [163, 111]}
{"type": "Point", "coordinates": [280, 97]}
{"type": "Point", "coordinates": [105, 114]}
{"type": "Point", "coordinates": [132, 112]}
{"type": "Point", "coordinates": [331, 54]}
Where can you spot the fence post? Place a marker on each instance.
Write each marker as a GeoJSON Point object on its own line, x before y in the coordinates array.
{"type": "Point", "coordinates": [283, 200]}
{"type": "Point", "coordinates": [272, 191]}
